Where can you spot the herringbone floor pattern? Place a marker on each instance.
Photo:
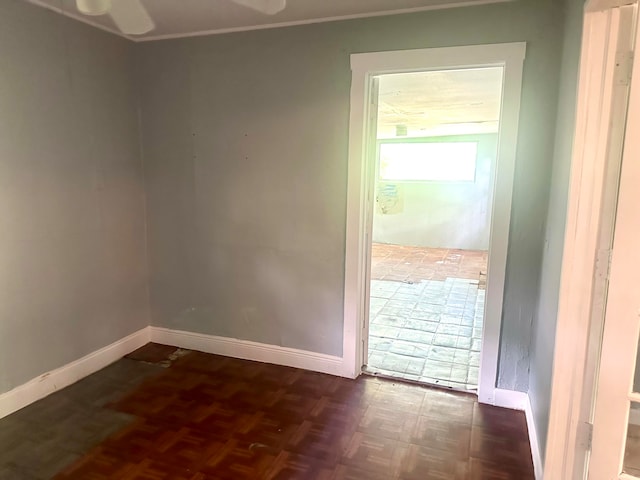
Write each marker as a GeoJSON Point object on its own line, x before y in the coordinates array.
{"type": "Point", "coordinates": [209, 417]}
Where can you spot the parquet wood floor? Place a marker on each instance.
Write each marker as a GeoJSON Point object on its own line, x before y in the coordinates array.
{"type": "Point", "coordinates": [208, 417]}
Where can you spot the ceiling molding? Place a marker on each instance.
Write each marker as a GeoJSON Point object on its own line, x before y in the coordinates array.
{"type": "Point", "coordinates": [220, 31]}
{"type": "Point", "coordinates": [150, 38]}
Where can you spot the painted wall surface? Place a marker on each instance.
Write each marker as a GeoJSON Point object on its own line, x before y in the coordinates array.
{"type": "Point", "coordinates": [441, 214]}
{"type": "Point", "coordinates": [544, 326]}
{"type": "Point", "coordinates": [72, 238]}
{"type": "Point", "coordinates": [245, 150]}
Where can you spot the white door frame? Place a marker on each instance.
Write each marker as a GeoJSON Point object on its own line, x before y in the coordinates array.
{"type": "Point", "coordinates": [622, 326]}
{"type": "Point", "coordinates": [360, 189]}
{"type": "Point", "coordinates": [600, 123]}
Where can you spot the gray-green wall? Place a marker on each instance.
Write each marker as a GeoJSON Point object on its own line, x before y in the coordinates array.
{"type": "Point", "coordinates": [72, 234]}
{"type": "Point", "coordinates": [245, 150]}
{"type": "Point", "coordinates": [544, 327]}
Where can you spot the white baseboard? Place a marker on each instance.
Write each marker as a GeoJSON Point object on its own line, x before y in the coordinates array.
{"type": "Point", "coordinates": [64, 376]}
{"type": "Point", "coordinates": [510, 399]}
{"type": "Point", "coordinates": [521, 401]}
{"type": "Point", "coordinates": [59, 378]}
{"type": "Point", "coordinates": [538, 468]}
{"type": "Point", "coordinates": [247, 350]}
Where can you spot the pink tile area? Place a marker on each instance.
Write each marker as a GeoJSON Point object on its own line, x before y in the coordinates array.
{"type": "Point", "coordinates": [414, 264]}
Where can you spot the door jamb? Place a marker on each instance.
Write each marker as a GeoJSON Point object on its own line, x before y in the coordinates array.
{"type": "Point", "coordinates": [619, 349]}
{"type": "Point", "coordinates": [585, 263]}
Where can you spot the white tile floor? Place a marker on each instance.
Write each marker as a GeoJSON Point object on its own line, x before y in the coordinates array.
{"type": "Point", "coordinates": [428, 331]}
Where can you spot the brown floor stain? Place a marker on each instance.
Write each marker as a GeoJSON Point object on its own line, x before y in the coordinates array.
{"type": "Point", "coordinates": [156, 354]}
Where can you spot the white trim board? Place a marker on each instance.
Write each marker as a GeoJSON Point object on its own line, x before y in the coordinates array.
{"type": "Point", "coordinates": [538, 466]}
{"type": "Point", "coordinates": [62, 377]}
{"type": "Point", "coordinates": [595, 163]}
{"type": "Point", "coordinates": [510, 399]}
{"type": "Point", "coordinates": [247, 350]}
{"type": "Point", "coordinates": [618, 346]}
{"type": "Point", "coordinates": [521, 401]}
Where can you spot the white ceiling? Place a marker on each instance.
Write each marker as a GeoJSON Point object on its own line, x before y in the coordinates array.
{"type": "Point", "coordinates": [179, 18]}
{"type": "Point", "coordinates": [449, 102]}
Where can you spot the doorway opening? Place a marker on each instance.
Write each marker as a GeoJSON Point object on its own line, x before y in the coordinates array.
{"type": "Point", "coordinates": [366, 69]}
{"type": "Point", "coordinates": [434, 160]}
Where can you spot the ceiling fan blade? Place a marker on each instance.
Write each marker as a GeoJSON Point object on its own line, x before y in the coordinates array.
{"type": "Point", "coordinates": [93, 7]}
{"type": "Point", "coordinates": [268, 7]}
{"type": "Point", "coordinates": [131, 17]}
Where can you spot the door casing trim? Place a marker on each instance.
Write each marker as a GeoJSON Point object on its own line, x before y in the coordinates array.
{"type": "Point", "coordinates": [585, 257]}
{"type": "Point", "coordinates": [364, 66]}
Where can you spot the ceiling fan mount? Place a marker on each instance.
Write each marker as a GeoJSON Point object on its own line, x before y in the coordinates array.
{"type": "Point", "coordinates": [132, 18]}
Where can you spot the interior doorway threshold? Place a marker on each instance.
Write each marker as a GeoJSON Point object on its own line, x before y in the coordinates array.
{"type": "Point", "coordinates": [436, 383]}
